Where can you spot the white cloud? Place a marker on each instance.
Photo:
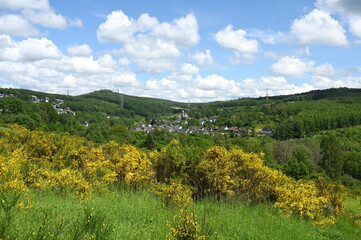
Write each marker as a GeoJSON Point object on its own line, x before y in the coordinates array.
{"type": "Point", "coordinates": [236, 40]}
{"type": "Point", "coordinates": [152, 55]}
{"type": "Point", "coordinates": [80, 50]}
{"type": "Point", "coordinates": [152, 46]}
{"type": "Point", "coordinates": [183, 31]}
{"type": "Point", "coordinates": [45, 18]}
{"type": "Point", "coordinates": [190, 69]}
{"type": "Point", "coordinates": [274, 82]}
{"type": "Point", "coordinates": [87, 65]}
{"type": "Point", "coordinates": [107, 61]}
{"type": "Point", "coordinates": [303, 51]}
{"type": "Point", "coordinates": [117, 28]}
{"type": "Point", "coordinates": [271, 54]}
{"type": "Point", "coordinates": [17, 26]}
{"type": "Point", "coordinates": [324, 70]}
{"type": "Point", "coordinates": [296, 67]}
{"type": "Point", "coordinates": [31, 49]}
{"type": "Point", "coordinates": [124, 61]}
{"type": "Point", "coordinates": [21, 4]}
{"type": "Point", "coordinates": [37, 12]}
{"type": "Point", "coordinates": [349, 10]}
{"type": "Point", "coordinates": [326, 82]}
{"type": "Point", "coordinates": [291, 66]}
{"type": "Point", "coordinates": [124, 78]}
{"type": "Point", "coordinates": [216, 82]}
{"type": "Point", "coordinates": [318, 27]}
{"type": "Point", "coordinates": [203, 59]}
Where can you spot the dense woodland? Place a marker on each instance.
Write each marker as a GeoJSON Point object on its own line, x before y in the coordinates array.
{"type": "Point", "coordinates": [313, 153]}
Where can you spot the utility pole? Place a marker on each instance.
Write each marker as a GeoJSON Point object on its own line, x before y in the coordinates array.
{"type": "Point", "coordinates": [121, 99]}
{"type": "Point", "coordinates": [267, 94]}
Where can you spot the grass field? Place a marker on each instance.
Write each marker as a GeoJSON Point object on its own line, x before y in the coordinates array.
{"type": "Point", "coordinates": [129, 214]}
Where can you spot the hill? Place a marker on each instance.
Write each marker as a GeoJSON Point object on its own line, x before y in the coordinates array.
{"type": "Point", "coordinates": [292, 116]}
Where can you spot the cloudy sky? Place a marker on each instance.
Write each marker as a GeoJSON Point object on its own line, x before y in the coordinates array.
{"type": "Point", "coordinates": [189, 50]}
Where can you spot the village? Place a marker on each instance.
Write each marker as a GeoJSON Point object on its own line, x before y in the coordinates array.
{"type": "Point", "coordinates": [58, 104]}
{"type": "Point", "coordinates": [207, 126]}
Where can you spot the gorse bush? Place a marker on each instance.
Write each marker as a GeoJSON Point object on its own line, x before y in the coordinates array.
{"type": "Point", "coordinates": [174, 193]}
{"type": "Point", "coordinates": [70, 165]}
{"type": "Point", "coordinates": [239, 174]}
{"type": "Point", "coordinates": [67, 164]}
{"type": "Point", "coordinates": [131, 166]}
{"type": "Point", "coordinates": [305, 199]}
{"type": "Point", "coordinates": [185, 227]}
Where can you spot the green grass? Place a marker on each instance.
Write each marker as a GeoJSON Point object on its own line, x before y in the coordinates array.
{"type": "Point", "coordinates": [129, 214]}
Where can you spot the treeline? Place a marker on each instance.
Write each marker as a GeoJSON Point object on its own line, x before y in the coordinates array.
{"type": "Point", "coordinates": [307, 118]}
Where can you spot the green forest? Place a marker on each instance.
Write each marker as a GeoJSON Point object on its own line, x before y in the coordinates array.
{"type": "Point", "coordinates": [79, 152]}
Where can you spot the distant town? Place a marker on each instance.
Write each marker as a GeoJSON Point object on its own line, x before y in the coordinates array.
{"type": "Point", "coordinates": [177, 126]}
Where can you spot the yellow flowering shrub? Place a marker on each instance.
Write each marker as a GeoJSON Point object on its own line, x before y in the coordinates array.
{"type": "Point", "coordinates": [217, 172]}
{"type": "Point", "coordinates": [185, 227]}
{"type": "Point", "coordinates": [169, 162]}
{"type": "Point", "coordinates": [306, 199]}
{"type": "Point", "coordinates": [174, 193]}
{"type": "Point", "coordinates": [71, 180]}
{"type": "Point", "coordinates": [254, 181]}
{"type": "Point", "coordinates": [132, 166]}
{"type": "Point", "coordinates": [11, 172]}
{"type": "Point", "coordinates": [240, 174]}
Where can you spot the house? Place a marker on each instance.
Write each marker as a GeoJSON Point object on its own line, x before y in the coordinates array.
{"type": "Point", "coordinates": [84, 123]}
{"type": "Point", "coordinates": [266, 131]}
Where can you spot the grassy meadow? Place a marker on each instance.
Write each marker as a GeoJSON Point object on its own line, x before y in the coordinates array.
{"type": "Point", "coordinates": [138, 214]}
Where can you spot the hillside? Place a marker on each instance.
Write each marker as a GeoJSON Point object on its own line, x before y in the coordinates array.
{"type": "Point", "coordinates": [291, 116]}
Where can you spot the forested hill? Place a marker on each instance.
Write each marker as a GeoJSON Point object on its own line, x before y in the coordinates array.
{"type": "Point", "coordinates": [291, 116]}
{"type": "Point", "coordinates": [143, 106]}
{"type": "Point", "coordinates": [106, 102]}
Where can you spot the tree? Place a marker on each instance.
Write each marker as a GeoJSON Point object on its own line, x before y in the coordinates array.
{"type": "Point", "coordinates": [332, 160]}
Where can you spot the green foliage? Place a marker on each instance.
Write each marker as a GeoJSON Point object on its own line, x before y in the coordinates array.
{"type": "Point", "coordinates": [332, 160]}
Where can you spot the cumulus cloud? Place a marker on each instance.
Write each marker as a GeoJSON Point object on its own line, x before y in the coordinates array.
{"type": "Point", "coordinates": [21, 4]}
{"type": "Point", "coordinates": [124, 61]}
{"type": "Point", "coordinates": [80, 50]}
{"type": "Point", "coordinates": [189, 69]}
{"type": "Point", "coordinates": [152, 46]}
{"type": "Point", "coordinates": [34, 11]}
{"type": "Point", "coordinates": [324, 70]}
{"type": "Point", "coordinates": [350, 10]}
{"type": "Point", "coordinates": [17, 26]}
{"type": "Point", "coordinates": [318, 27]}
{"type": "Point", "coordinates": [31, 49]}
{"type": "Point", "coordinates": [296, 67]}
{"type": "Point", "coordinates": [236, 40]}
{"type": "Point", "coordinates": [203, 59]}
{"type": "Point", "coordinates": [183, 31]}
{"type": "Point", "coordinates": [38, 64]}
{"type": "Point", "coordinates": [152, 54]}
{"type": "Point", "coordinates": [117, 28]}
{"type": "Point", "coordinates": [291, 66]}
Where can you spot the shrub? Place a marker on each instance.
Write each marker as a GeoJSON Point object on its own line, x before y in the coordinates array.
{"type": "Point", "coordinates": [185, 227]}
{"type": "Point", "coordinates": [174, 194]}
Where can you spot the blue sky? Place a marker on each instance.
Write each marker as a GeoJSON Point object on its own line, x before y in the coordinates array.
{"type": "Point", "coordinates": [195, 51]}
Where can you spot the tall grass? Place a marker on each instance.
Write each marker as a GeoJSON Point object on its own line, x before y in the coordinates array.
{"type": "Point", "coordinates": [130, 214]}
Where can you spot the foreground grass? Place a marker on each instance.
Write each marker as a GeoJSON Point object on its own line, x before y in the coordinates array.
{"type": "Point", "coordinates": [128, 214]}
